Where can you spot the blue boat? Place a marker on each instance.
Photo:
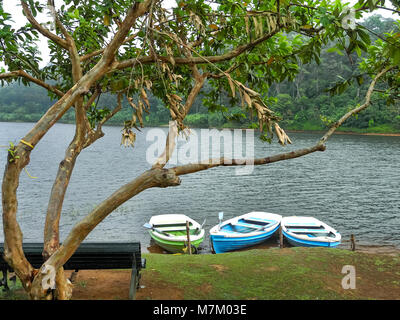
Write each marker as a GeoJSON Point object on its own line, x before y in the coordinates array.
{"type": "Point", "coordinates": [244, 231]}
{"type": "Point", "coordinates": [309, 232]}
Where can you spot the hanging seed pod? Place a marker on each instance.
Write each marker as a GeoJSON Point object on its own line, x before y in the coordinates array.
{"type": "Point", "coordinates": [176, 97]}
{"type": "Point", "coordinates": [173, 115]}
{"type": "Point", "coordinates": [128, 137]}
{"type": "Point", "coordinates": [256, 28]}
{"type": "Point", "coordinates": [139, 113]}
{"type": "Point", "coordinates": [247, 99]}
{"type": "Point", "coordinates": [132, 138]}
{"type": "Point", "coordinates": [246, 20]}
{"type": "Point", "coordinates": [148, 84]}
{"type": "Point", "coordinates": [279, 134]}
{"type": "Point", "coordinates": [231, 84]}
{"type": "Point", "coordinates": [282, 136]}
{"type": "Point", "coordinates": [144, 97]}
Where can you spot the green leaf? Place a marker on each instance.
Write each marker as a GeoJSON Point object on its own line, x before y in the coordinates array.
{"type": "Point", "coordinates": [360, 80]}
{"type": "Point", "coordinates": [335, 49]}
{"type": "Point", "coordinates": [364, 36]}
{"type": "Point", "coordinates": [396, 57]}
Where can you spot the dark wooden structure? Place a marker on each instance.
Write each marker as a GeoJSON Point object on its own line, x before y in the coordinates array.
{"type": "Point", "coordinates": [89, 256]}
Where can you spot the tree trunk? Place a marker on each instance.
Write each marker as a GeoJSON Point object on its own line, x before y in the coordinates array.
{"type": "Point", "coordinates": [157, 177]}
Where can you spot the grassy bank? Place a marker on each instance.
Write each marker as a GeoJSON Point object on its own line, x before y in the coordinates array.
{"type": "Point", "coordinates": [289, 273]}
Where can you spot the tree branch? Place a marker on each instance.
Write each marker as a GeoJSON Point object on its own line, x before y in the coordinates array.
{"type": "Point", "coordinates": [226, 162]}
{"type": "Point", "coordinates": [169, 146]}
{"type": "Point", "coordinates": [160, 178]}
{"type": "Point", "coordinates": [320, 146]}
{"type": "Point", "coordinates": [173, 130]}
{"type": "Point", "coordinates": [64, 31]}
{"type": "Point", "coordinates": [98, 133]}
{"type": "Point", "coordinates": [22, 73]}
{"type": "Point", "coordinates": [100, 51]}
{"type": "Point", "coordinates": [137, 10]}
{"type": "Point", "coordinates": [360, 108]}
{"type": "Point", "coordinates": [390, 9]}
{"type": "Point", "coordinates": [198, 60]}
{"type": "Point", "coordinates": [60, 41]}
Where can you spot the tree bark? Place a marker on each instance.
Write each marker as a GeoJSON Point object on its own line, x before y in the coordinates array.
{"type": "Point", "coordinates": [13, 251]}
{"type": "Point", "coordinates": [51, 231]}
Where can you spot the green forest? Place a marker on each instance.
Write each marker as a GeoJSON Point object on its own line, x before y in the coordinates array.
{"type": "Point", "coordinates": [304, 104]}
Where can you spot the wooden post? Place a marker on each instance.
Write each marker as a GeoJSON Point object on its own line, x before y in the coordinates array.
{"type": "Point", "coordinates": [134, 280]}
{"type": "Point", "coordinates": [73, 276]}
{"type": "Point", "coordinates": [353, 242]}
{"type": "Point", "coordinates": [280, 237]}
{"type": "Point", "coordinates": [189, 246]}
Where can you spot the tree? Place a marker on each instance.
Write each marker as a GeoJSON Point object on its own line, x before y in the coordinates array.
{"type": "Point", "coordinates": [131, 48]}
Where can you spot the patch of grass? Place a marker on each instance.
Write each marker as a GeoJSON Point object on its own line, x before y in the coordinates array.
{"type": "Point", "coordinates": [290, 273]}
{"type": "Point", "coordinates": [15, 291]}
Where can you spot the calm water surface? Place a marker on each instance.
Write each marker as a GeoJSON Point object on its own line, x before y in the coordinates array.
{"type": "Point", "coordinates": [353, 186]}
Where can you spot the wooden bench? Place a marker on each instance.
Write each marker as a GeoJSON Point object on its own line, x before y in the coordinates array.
{"type": "Point", "coordinates": [89, 256]}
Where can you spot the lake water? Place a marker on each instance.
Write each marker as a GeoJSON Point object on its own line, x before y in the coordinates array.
{"type": "Point", "coordinates": [352, 186]}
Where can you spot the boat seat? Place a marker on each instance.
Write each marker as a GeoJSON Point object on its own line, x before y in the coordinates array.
{"type": "Point", "coordinates": [260, 219]}
{"type": "Point", "coordinates": [302, 224]}
{"type": "Point", "coordinates": [166, 229]}
{"type": "Point", "coordinates": [308, 231]}
{"type": "Point", "coordinates": [228, 231]}
{"type": "Point", "coordinates": [247, 225]}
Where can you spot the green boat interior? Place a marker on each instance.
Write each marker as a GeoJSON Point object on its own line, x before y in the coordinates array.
{"type": "Point", "coordinates": [178, 229]}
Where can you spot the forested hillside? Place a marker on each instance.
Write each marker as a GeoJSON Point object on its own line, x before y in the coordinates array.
{"type": "Point", "coordinates": [304, 104]}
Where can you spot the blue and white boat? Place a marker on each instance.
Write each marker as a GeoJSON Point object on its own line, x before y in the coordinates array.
{"type": "Point", "coordinates": [243, 231]}
{"type": "Point", "coordinates": [309, 232]}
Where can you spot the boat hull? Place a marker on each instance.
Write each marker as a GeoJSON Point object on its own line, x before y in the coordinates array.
{"type": "Point", "coordinates": [174, 246]}
{"type": "Point", "coordinates": [222, 243]}
{"type": "Point", "coordinates": [309, 243]}
{"type": "Point", "coordinates": [301, 231]}
{"type": "Point", "coordinates": [169, 231]}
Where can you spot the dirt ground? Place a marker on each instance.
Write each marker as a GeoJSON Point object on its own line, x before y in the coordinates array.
{"type": "Point", "coordinates": [114, 285]}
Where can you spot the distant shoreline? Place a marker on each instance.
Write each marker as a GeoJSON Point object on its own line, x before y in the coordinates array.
{"type": "Point", "coordinates": [385, 134]}
{"type": "Point", "coordinates": [389, 134]}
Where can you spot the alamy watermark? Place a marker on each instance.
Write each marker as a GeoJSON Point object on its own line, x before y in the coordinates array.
{"type": "Point", "coordinates": [204, 144]}
{"type": "Point", "coordinates": [49, 278]}
{"type": "Point", "coordinates": [349, 20]}
{"type": "Point", "coordinates": [349, 280]}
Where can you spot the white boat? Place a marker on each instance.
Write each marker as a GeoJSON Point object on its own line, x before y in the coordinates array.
{"type": "Point", "coordinates": [309, 232]}
{"type": "Point", "coordinates": [169, 232]}
{"type": "Point", "coordinates": [243, 231]}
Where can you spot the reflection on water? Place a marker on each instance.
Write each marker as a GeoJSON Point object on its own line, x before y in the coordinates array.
{"type": "Point", "coordinates": [352, 186]}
